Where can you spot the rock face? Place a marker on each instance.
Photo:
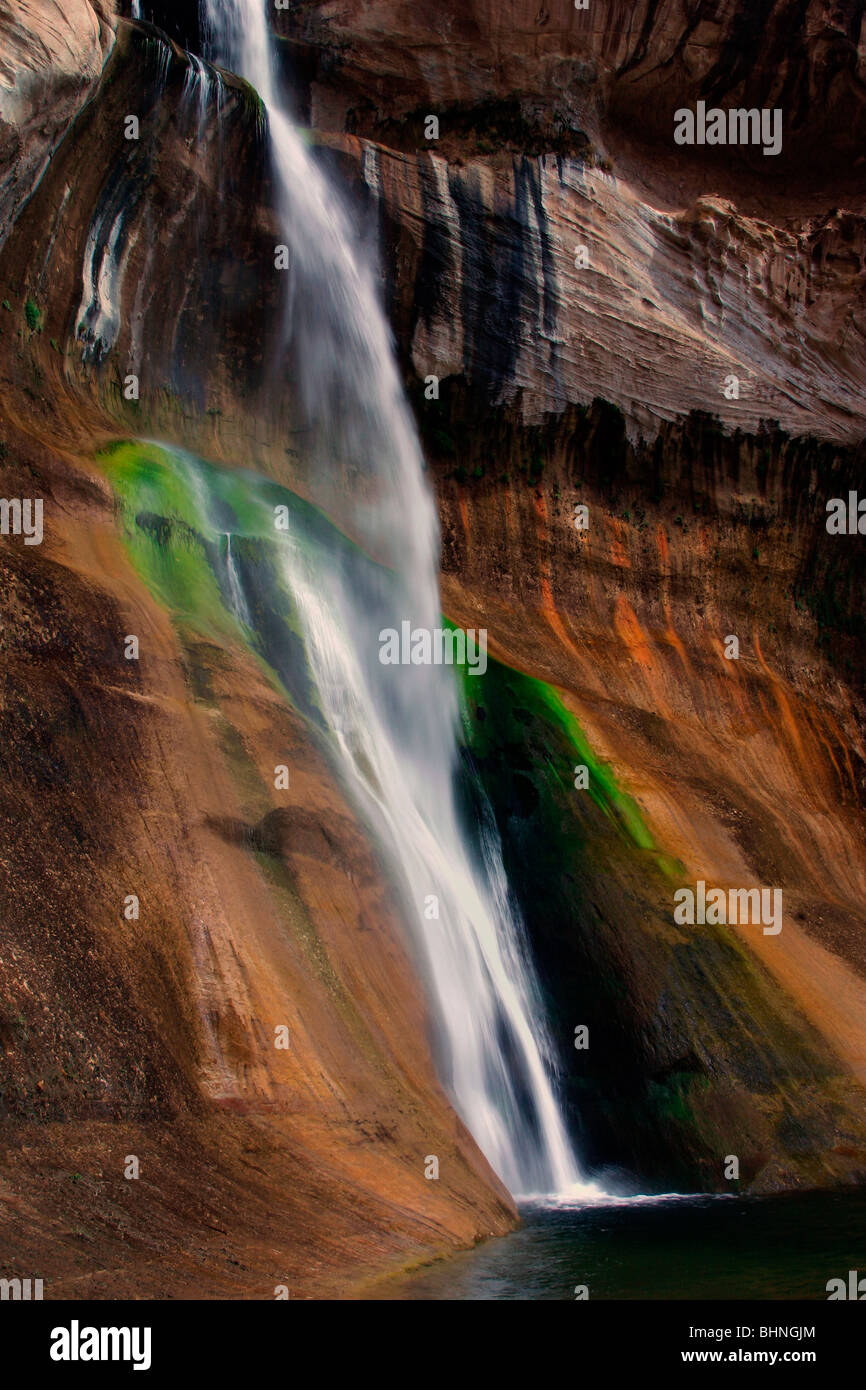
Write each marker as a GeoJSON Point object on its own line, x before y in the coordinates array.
{"type": "Point", "coordinates": [630, 268]}
{"type": "Point", "coordinates": [152, 1029]}
{"type": "Point", "coordinates": [612, 65]}
{"type": "Point", "coordinates": [746, 772]}
{"type": "Point", "coordinates": [51, 54]}
{"type": "Point", "coordinates": [91, 262]}
{"type": "Point", "coordinates": [555, 281]}
{"type": "Point", "coordinates": [154, 1036]}
{"type": "Point", "coordinates": [530, 275]}
{"type": "Point", "coordinates": [556, 278]}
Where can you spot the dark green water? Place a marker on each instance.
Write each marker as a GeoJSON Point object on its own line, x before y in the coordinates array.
{"type": "Point", "coordinates": [698, 1248]}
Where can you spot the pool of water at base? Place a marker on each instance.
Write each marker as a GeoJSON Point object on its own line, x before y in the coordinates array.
{"type": "Point", "coordinates": [779, 1247]}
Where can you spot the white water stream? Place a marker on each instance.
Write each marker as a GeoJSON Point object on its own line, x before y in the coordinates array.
{"type": "Point", "coordinates": [396, 727]}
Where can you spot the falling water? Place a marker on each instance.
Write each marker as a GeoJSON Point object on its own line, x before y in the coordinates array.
{"type": "Point", "coordinates": [238, 601]}
{"type": "Point", "coordinates": [197, 87]}
{"type": "Point", "coordinates": [396, 727]}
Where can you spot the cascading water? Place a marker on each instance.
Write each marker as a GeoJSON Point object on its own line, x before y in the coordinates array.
{"type": "Point", "coordinates": [395, 727]}
{"type": "Point", "coordinates": [238, 601]}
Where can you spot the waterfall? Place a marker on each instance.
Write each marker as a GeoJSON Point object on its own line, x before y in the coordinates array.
{"type": "Point", "coordinates": [395, 728]}
{"type": "Point", "coordinates": [197, 89]}
{"type": "Point", "coordinates": [238, 601]}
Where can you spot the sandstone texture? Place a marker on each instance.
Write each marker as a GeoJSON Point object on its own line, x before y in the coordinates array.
{"type": "Point", "coordinates": [51, 54]}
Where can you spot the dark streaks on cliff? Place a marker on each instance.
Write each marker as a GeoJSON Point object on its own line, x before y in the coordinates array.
{"type": "Point", "coordinates": [436, 258]}
{"type": "Point", "coordinates": [492, 290]}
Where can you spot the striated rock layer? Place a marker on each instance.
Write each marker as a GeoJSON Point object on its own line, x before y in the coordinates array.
{"type": "Point", "coordinates": [51, 55]}
{"type": "Point", "coordinates": [603, 66]}
{"type": "Point", "coordinates": [558, 281]}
